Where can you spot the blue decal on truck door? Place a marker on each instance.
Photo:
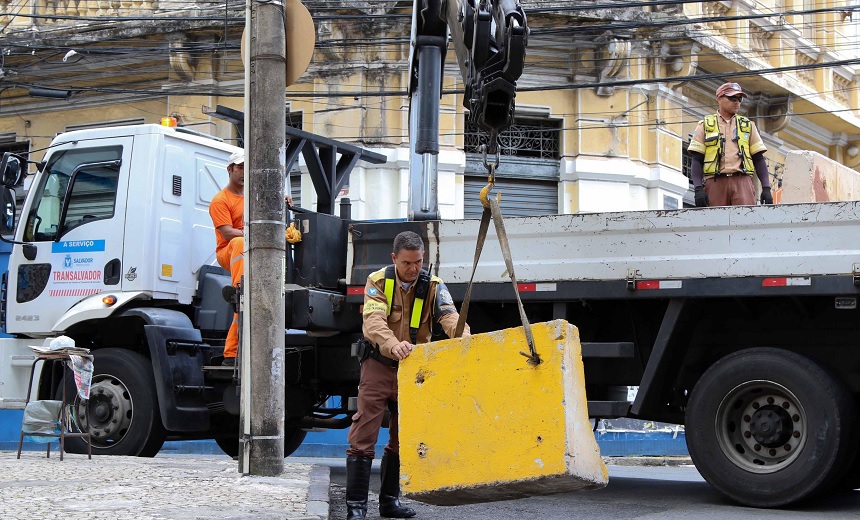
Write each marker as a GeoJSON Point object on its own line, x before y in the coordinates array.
{"type": "Point", "coordinates": [77, 246]}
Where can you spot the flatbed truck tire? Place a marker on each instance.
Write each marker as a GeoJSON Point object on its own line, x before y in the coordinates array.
{"type": "Point", "coordinates": [293, 438]}
{"type": "Point", "coordinates": [229, 444]}
{"type": "Point", "coordinates": [122, 413]}
{"type": "Point", "coordinates": [768, 427]}
{"type": "Point", "coordinates": [225, 427]}
{"type": "Point", "coordinates": [851, 480]}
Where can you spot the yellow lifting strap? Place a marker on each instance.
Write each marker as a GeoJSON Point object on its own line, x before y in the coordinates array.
{"type": "Point", "coordinates": [292, 234]}
{"type": "Point", "coordinates": [492, 210]}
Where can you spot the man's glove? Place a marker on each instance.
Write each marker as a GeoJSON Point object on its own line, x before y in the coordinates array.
{"type": "Point", "coordinates": [701, 198]}
{"type": "Point", "coordinates": [766, 197]}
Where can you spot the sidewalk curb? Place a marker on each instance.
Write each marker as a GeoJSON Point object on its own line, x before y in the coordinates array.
{"type": "Point", "coordinates": [648, 461]}
{"type": "Point", "coordinates": [318, 490]}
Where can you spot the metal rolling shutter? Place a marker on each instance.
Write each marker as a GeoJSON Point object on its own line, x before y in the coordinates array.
{"type": "Point", "coordinates": [296, 187]}
{"type": "Point", "coordinates": [520, 197]}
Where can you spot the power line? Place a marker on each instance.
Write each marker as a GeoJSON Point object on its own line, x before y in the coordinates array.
{"type": "Point", "coordinates": [402, 93]}
{"type": "Point", "coordinates": [616, 25]}
{"type": "Point", "coordinates": [611, 5]}
{"type": "Point", "coordinates": [365, 94]}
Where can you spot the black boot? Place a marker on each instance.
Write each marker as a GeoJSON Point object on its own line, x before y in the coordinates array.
{"type": "Point", "coordinates": [357, 484]}
{"type": "Point", "coordinates": [389, 492]}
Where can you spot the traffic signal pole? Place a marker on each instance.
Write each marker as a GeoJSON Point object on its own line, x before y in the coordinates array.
{"type": "Point", "coordinates": [262, 355]}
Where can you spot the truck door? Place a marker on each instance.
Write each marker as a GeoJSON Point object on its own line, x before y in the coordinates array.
{"type": "Point", "coordinates": [74, 221]}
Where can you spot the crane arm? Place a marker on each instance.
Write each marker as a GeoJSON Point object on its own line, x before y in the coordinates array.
{"type": "Point", "coordinates": [489, 38]}
{"type": "Point", "coordinates": [490, 42]}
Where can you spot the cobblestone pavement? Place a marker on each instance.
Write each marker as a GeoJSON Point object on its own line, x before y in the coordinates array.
{"type": "Point", "coordinates": [180, 487]}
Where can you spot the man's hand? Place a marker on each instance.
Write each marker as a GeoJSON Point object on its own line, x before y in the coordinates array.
{"type": "Point", "coordinates": [288, 200]}
{"type": "Point", "coordinates": [402, 349]}
{"type": "Point", "coordinates": [766, 197]}
{"type": "Point", "coordinates": [701, 198]}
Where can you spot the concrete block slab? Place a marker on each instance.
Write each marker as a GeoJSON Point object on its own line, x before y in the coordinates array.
{"type": "Point", "coordinates": [478, 423]}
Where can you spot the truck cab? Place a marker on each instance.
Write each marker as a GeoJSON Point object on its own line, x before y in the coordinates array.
{"type": "Point", "coordinates": [115, 248]}
{"type": "Point", "coordinates": [113, 243]}
{"type": "Point", "coordinates": [116, 209]}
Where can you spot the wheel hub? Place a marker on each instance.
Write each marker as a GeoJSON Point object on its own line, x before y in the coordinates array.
{"type": "Point", "coordinates": [771, 426]}
{"type": "Point", "coordinates": [108, 413]}
{"type": "Point", "coordinates": [760, 426]}
{"type": "Point", "coordinates": [100, 411]}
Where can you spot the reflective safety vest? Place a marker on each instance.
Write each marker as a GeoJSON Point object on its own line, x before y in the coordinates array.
{"type": "Point", "coordinates": [422, 286]}
{"type": "Point", "coordinates": [714, 144]}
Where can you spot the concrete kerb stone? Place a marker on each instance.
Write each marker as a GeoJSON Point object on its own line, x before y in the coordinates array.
{"type": "Point", "coordinates": [648, 461]}
{"type": "Point", "coordinates": [157, 488]}
{"type": "Point", "coordinates": [318, 491]}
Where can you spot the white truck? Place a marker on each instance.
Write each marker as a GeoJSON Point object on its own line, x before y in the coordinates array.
{"type": "Point", "coordinates": [115, 237]}
{"type": "Point", "coordinates": [740, 323]}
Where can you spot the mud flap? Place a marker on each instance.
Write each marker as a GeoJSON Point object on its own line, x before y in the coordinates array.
{"type": "Point", "coordinates": [178, 367]}
{"type": "Point", "coordinates": [176, 349]}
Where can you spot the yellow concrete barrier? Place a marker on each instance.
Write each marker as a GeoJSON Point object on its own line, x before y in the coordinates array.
{"type": "Point", "coordinates": [478, 423]}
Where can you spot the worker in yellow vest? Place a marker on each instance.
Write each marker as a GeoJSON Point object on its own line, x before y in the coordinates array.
{"type": "Point", "coordinates": [726, 151]}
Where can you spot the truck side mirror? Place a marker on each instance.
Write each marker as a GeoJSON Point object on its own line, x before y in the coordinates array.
{"type": "Point", "coordinates": [10, 170]}
{"type": "Point", "coordinates": [7, 211]}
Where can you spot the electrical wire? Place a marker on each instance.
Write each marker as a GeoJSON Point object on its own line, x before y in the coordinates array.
{"type": "Point", "coordinates": [349, 42]}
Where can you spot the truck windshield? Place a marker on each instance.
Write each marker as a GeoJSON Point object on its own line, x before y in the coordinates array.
{"type": "Point", "coordinates": [92, 195]}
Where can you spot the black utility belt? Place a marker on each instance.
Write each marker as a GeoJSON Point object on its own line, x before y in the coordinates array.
{"type": "Point", "coordinates": [736, 174]}
{"type": "Point", "coordinates": [369, 350]}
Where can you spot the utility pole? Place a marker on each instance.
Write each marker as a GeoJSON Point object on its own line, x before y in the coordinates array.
{"type": "Point", "coordinates": [262, 355]}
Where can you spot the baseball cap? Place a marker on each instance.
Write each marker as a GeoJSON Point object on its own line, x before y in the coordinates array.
{"type": "Point", "coordinates": [730, 89]}
{"type": "Point", "coordinates": [237, 158]}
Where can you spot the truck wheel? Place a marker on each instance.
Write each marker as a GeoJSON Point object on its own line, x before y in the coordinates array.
{"type": "Point", "coordinates": [225, 429]}
{"type": "Point", "coordinates": [293, 438]}
{"type": "Point", "coordinates": [229, 445]}
{"type": "Point", "coordinates": [851, 479]}
{"type": "Point", "coordinates": [122, 413]}
{"type": "Point", "coordinates": [768, 427]}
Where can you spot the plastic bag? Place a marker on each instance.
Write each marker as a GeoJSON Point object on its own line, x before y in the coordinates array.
{"type": "Point", "coordinates": [82, 367]}
{"type": "Point", "coordinates": [42, 417]}
{"type": "Point", "coordinates": [61, 343]}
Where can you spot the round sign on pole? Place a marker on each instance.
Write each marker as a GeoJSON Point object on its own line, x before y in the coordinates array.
{"type": "Point", "coordinates": [300, 39]}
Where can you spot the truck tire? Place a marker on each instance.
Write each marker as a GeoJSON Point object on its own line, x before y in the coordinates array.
{"type": "Point", "coordinates": [229, 445]}
{"type": "Point", "coordinates": [293, 438]}
{"type": "Point", "coordinates": [768, 427]}
{"type": "Point", "coordinates": [122, 414]}
{"type": "Point", "coordinates": [225, 429]}
{"type": "Point", "coordinates": [851, 479]}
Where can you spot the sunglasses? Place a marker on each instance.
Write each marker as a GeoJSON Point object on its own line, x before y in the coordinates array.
{"type": "Point", "coordinates": [735, 98]}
